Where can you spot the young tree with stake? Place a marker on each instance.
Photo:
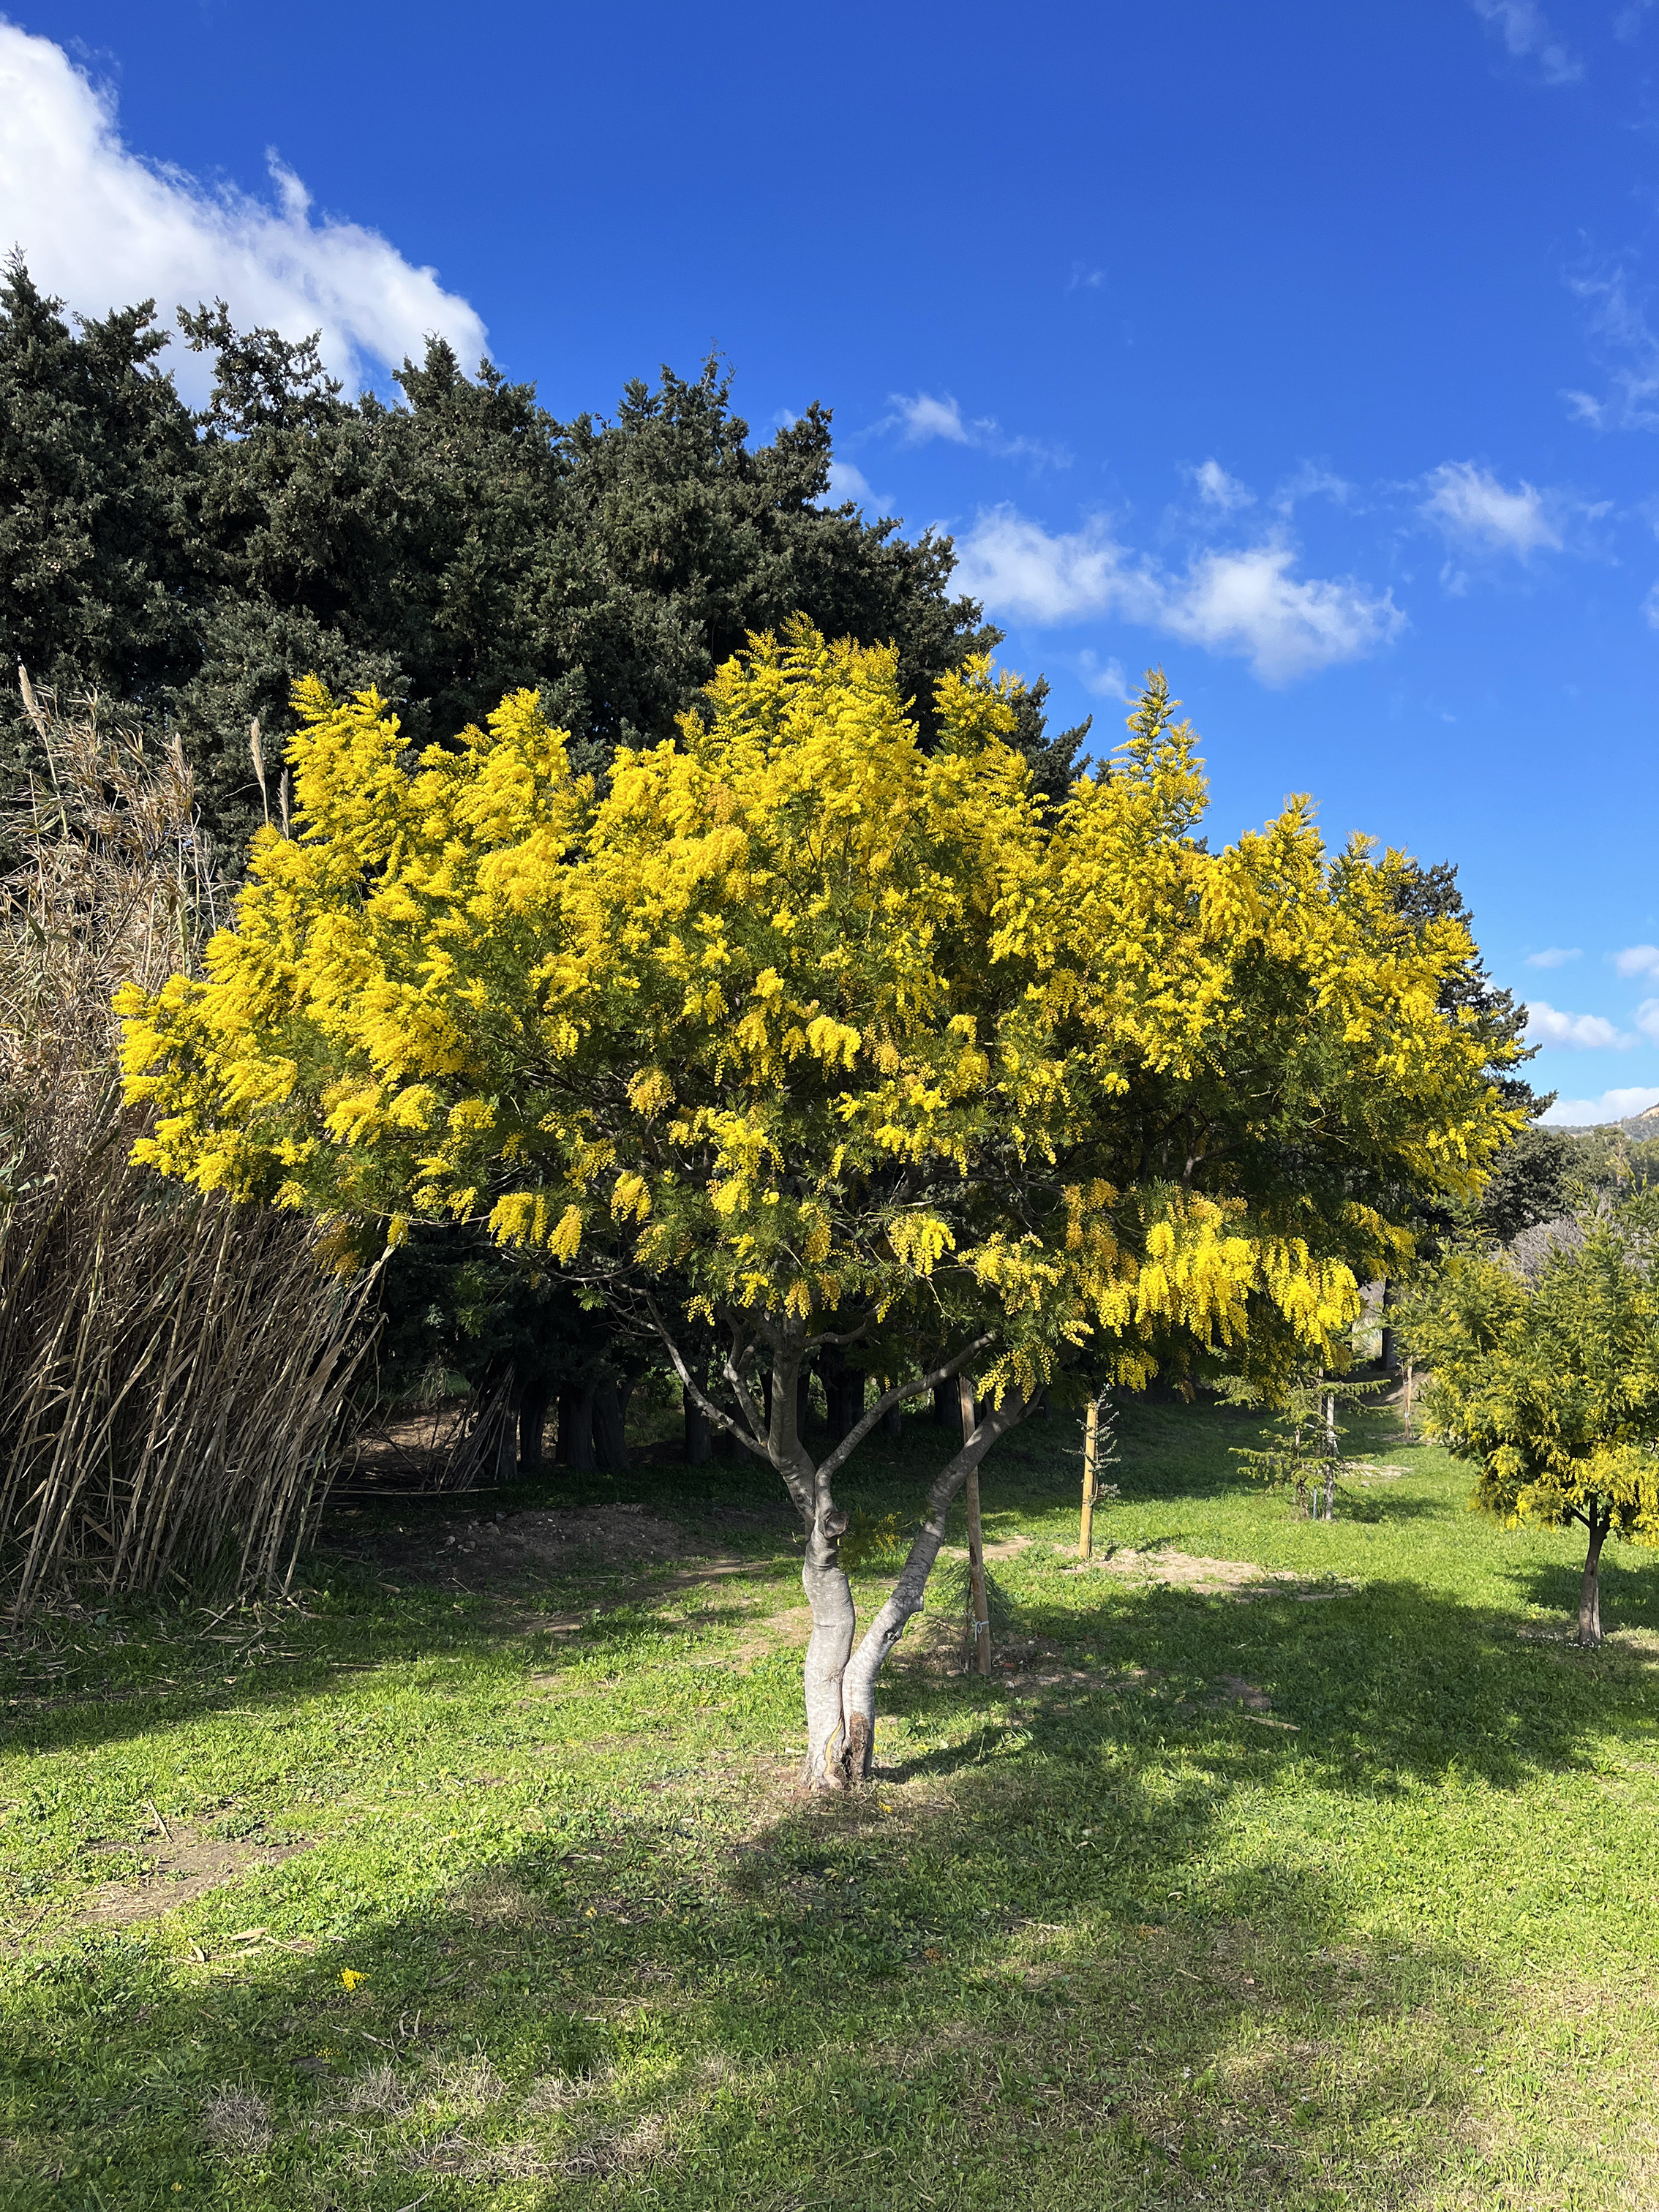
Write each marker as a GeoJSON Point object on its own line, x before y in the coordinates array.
{"type": "Point", "coordinates": [805, 1033]}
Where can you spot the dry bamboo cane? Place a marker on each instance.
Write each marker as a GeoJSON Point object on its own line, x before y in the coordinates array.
{"type": "Point", "coordinates": [1085, 1542]}
{"type": "Point", "coordinates": [975, 1539]}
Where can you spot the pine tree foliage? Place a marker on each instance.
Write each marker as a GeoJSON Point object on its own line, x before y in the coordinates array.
{"type": "Point", "coordinates": [451, 548]}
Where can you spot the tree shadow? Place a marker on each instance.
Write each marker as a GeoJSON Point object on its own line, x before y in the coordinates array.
{"type": "Point", "coordinates": [845, 1997]}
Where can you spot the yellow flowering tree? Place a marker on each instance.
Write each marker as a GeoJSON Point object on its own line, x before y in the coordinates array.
{"type": "Point", "coordinates": [1545, 1374]}
{"type": "Point", "coordinates": [804, 1032]}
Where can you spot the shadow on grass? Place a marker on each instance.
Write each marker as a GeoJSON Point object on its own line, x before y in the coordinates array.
{"type": "Point", "coordinates": [1040, 1970]}
{"type": "Point", "coordinates": [839, 2006]}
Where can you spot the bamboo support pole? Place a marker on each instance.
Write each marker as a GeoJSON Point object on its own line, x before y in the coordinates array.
{"type": "Point", "coordinates": [1085, 1543]}
{"type": "Point", "coordinates": [976, 1541]}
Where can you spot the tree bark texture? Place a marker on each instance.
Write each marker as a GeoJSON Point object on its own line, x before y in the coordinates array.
{"type": "Point", "coordinates": [610, 1431]}
{"type": "Point", "coordinates": [575, 1445]}
{"type": "Point", "coordinates": [840, 1673]}
{"type": "Point", "coordinates": [1589, 1590]}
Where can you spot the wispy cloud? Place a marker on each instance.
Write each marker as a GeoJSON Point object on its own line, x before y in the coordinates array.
{"type": "Point", "coordinates": [1638, 960]}
{"type": "Point", "coordinates": [1524, 28]}
{"type": "Point", "coordinates": [1627, 23]}
{"type": "Point", "coordinates": [847, 481]}
{"type": "Point", "coordinates": [1554, 956]}
{"type": "Point", "coordinates": [1308, 480]}
{"type": "Point", "coordinates": [1248, 602]}
{"type": "Point", "coordinates": [1625, 341]}
{"type": "Point", "coordinates": [1647, 1019]}
{"type": "Point", "coordinates": [1478, 513]}
{"type": "Point", "coordinates": [922, 417]}
{"type": "Point", "coordinates": [1085, 279]}
{"type": "Point", "coordinates": [1547, 1024]}
{"type": "Point", "coordinates": [101, 226]}
{"type": "Point", "coordinates": [1612, 1106]}
{"type": "Point", "coordinates": [1217, 488]}
{"type": "Point", "coordinates": [1105, 678]}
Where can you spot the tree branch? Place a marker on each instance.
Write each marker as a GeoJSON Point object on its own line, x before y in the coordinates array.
{"type": "Point", "coordinates": [711, 1411]}
{"type": "Point", "coordinates": [827, 1469]}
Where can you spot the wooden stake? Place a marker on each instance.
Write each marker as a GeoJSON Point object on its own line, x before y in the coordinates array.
{"type": "Point", "coordinates": [1085, 1543]}
{"type": "Point", "coordinates": [1408, 1397]}
{"type": "Point", "coordinates": [976, 1541]}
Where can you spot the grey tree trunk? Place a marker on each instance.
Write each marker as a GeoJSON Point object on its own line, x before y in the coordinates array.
{"type": "Point", "coordinates": [1589, 1590]}
{"type": "Point", "coordinates": [840, 1680]}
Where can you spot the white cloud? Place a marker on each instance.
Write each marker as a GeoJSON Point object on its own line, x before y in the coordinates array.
{"type": "Point", "coordinates": [1611, 1106]}
{"type": "Point", "coordinates": [1217, 488]}
{"type": "Point", "coordinates": [1625, 337]}
{"type": "Point", "coordinates": [103, 228]}
{"type": "Point", "coordinates": [1286, 626]}
{"type": "Point", "coordinates": [1647, 1019]}
{"type": "Point", "coordinates": [921, 416]}
{"type": "Point", "coordinates": [1525, 31]}
{"type": "Point", "coordinates": [1105, 679]}
{"type": "Point", "coordinates": [1627, 23]}
{"type": "Point", "coordinates": [1084, 279]}
{"type": "Point", "coordinates": [1546, 1024]}
{"type": "Point", "coordinates": [1638, 960]}
{"type": "Point", "coordinates": [1555, 956]}
{"type": "Point", "coordinates": [1245, 602]}
{"type": "Point", "coordinates": [846, 483]}
{"type": "Point", "coordinates": [1309, 481]}
{"type": "Point", "coordinates": [1474, 509]}
{"type": "Point", "coordinates": [1023, 571]}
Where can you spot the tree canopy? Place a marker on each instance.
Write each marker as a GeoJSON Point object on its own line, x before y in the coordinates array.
{"type": "Point", "coordinates": [448, 549]}
{"type": "Point", "coordinates": [815, 1033]}
{"type": "Point", "coordinates": [1546, 1377]}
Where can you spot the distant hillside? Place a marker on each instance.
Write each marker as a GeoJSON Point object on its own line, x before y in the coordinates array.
{"type": "Point", "coordinates": [1638, 1125]}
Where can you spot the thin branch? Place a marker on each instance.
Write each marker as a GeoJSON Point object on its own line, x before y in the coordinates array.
{"type": "Point", "coordinates": [829, 1468]}
{"type": "Point", "coordinates": [733, 1370]}
{"type": "Point", "coordinates": [711, 1411]}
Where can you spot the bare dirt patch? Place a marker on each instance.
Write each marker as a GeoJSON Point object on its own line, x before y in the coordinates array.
{"type": "Point", "coordinates": [176, 1870]}
{"type": "Point", "coordinates": [1207, 1578]}
{"type": "Point", "coordinates": [475, 1554]}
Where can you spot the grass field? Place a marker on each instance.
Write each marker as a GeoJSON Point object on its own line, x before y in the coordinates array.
{"type": "Point", "coordinates": [1319, 1874]}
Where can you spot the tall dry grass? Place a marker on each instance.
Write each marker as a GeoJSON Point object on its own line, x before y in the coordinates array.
{"type": "Point", "coordinates": [173, 1369]}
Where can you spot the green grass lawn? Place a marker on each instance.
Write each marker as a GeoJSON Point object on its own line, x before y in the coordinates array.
{"type": "Point", "coordinates": [477, 1881]}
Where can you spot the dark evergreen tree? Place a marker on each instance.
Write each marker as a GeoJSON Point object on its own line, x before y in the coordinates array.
{"type": "Point", "coordinates": [448, 549]}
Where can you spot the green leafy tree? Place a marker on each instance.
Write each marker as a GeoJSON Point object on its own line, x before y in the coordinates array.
{"type": "Point", "coordinates": [1546, 1377]}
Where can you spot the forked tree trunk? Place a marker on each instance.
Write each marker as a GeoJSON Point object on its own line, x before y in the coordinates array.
{"type": "Point", "coordinates": [1589, 1590]}
{"type": "Point", "coordinates": [840, 1678]}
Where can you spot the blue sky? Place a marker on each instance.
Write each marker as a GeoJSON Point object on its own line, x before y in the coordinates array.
{"type": "Point", "coordinates": [1311, 351]}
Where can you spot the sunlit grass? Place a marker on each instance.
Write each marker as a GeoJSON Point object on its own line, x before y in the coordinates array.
{"type": "Point", "coordinates": [1331, 1889]}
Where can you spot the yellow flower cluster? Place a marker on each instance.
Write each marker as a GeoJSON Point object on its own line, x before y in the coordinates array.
{"type": "Point", "coordinates": [802, 1012]}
